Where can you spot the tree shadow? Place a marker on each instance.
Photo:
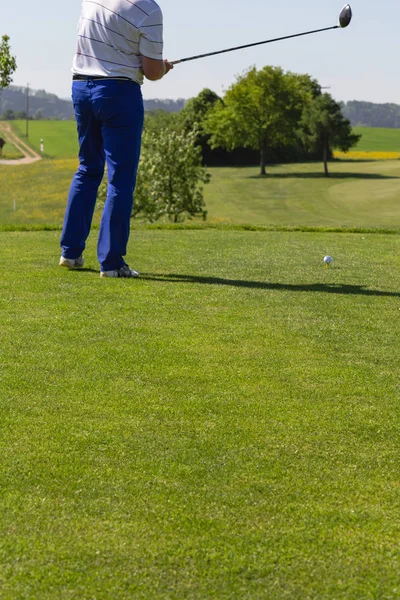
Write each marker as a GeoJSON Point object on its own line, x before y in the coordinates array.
{"type": "Point", "coordinates": [322, 176]}
{"type": "Point", "coordinates": [339, 288]}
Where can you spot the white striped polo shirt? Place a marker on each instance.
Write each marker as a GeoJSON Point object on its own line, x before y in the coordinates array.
{"type": "Point", "coordinates": [113, 34]}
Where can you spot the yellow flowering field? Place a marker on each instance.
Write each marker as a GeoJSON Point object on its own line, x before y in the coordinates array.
{"type": "Point", "coordinates": [35, 193]}
{"type": "Point", "coordinates": [366, 155]}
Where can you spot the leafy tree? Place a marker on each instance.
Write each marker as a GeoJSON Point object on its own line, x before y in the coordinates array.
{"type": "Point", "coordinates": [194, 115]}
{"type": "Point", "coordinates": [196, 109]}
{"type": "Point", "coordinates": [261, 110]}
{"type": "Point", "coordinates": [8, 63]}
{"type": "Point", "coordinates": [8, 115]}
{"type": "Point", "coordinates": [169, 178]}
{"type": "Point", "coordinates": [324, 128]}
{"type": "Point", "coordinates": [157, 120]}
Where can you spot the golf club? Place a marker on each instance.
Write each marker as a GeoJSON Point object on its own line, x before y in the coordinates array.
{"type": "Point", "coordinates": [344, 20]}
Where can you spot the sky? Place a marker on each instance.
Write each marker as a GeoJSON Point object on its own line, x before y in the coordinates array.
{"type": "Point", "coordinates": [357, 63]}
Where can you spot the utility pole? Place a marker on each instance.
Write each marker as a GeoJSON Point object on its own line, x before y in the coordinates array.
{"type": "Point", "coordinates": [27, 110]}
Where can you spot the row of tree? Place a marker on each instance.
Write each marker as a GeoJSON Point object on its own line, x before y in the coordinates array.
{"type": "Point", "coordinates": [278, 114]}
{"type": "Point", "coordinates": [10, 115]}
{"type": "Point", "coordinates": [369, 114]}
{"type": "Point", "coordinates": [263, 110]}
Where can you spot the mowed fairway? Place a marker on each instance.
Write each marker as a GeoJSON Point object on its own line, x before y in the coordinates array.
{"type": "Point", "coordinates": [357, 194]}
{"type": "Point", "coordinates": [227, 426]}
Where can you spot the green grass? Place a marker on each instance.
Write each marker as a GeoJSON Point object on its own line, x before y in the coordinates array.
{"type": "Point", "coordinates": [358, 194]}
{"type": "Point", "coordinates": [225, 427]}
{"type": "Point", "coordinates": [10, 151]}
{"type": "Point", "coordinates": [59, 137]}
{"type": "Point", "coordinates": [378, 139]}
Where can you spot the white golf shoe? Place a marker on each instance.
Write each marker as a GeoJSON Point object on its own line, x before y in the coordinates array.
{"type": "Point", "coordinates": [72, 263]}
{"type": "Point", "coordinates": [124, 271]}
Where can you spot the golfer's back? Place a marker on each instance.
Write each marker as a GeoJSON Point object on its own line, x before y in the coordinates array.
{"type": "Point", "coordinates": [113, 35]}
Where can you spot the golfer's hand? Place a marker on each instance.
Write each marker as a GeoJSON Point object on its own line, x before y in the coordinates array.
{"type": "Point", "coordinates": [168, 66]}
{"type": "Point", "coordinates": [155, 69]}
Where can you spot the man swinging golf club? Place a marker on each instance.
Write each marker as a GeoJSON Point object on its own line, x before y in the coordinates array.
{"type": "Point", "coordinates": [119, 42]}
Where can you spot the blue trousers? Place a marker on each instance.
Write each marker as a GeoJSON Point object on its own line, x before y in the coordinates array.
{"type": "Point", "coordinates": [109, 116]}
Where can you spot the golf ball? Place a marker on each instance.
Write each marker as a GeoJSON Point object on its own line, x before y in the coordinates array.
{"type": "Point", "coordinates": [328, 260]}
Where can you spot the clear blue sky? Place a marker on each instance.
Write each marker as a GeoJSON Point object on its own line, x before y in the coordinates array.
{"type": "Point", "coordinates": [358, 63]}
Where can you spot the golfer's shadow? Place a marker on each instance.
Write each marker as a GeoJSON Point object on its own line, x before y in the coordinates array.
{"type": "Point", "coordinates": [326, 288]}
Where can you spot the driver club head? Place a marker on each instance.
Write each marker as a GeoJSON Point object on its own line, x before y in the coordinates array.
{"type": "Point", "coordinates": [345, 16]}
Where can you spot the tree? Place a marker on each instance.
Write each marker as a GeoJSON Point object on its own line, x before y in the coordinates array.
{"type": "Point", "coordinates": [8, 115]}
{"type": "Point", "coordinates": [169, 178]}
{"type": "Point", "coordinates": [157, 120]}
{"type": "Point", "coordinates": [261, 110]}
{"type": "Point", "coordinates": [324, 128]}
{"type": "Point", "coordinates": [8, 63]}
{"type": "Point", "coordinates": [194, 115]}
{"type": "Point", "coordinates": [196, 109]}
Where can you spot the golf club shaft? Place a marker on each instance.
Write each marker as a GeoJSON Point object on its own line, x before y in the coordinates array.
{"type": "Point", "coordinates": [287, 37]}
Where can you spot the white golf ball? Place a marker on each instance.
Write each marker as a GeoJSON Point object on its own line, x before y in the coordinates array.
{"type": "Point", "coordinates": [328, 260]}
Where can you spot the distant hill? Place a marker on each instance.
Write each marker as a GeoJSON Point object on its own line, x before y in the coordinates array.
{"type": "Point", "coordinates": [49, 106]}
{"type": "Point", "coordinates": [368, 114]}
{"type": "Point", "coordinates": [41, 104]}
{"type": "Point", "coordinates": [166, 105]}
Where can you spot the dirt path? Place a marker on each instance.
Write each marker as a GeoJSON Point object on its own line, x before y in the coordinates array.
{"type": "Point", "coordinates": [30, 156]}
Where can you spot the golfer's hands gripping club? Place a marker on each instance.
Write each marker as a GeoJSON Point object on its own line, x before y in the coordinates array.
{"type": "Point", "coordinates": [168, 66]}
{"type": "Point", "coordinates": [155, 69]}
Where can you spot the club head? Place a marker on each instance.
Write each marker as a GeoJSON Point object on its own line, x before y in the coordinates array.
{"type": "Point", "coordinates": [345, 16]}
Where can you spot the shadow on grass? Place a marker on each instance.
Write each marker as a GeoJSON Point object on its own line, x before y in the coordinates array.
{"type": "Point", "coordinates": [85, 270]}
{"type": "Point", "coordinates": [322, 176]}
{"type": "Point", "coordinates": [325, 288]}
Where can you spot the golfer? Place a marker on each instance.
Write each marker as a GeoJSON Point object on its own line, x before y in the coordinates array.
{"type": "Point", "coordinates": [119, 43]}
